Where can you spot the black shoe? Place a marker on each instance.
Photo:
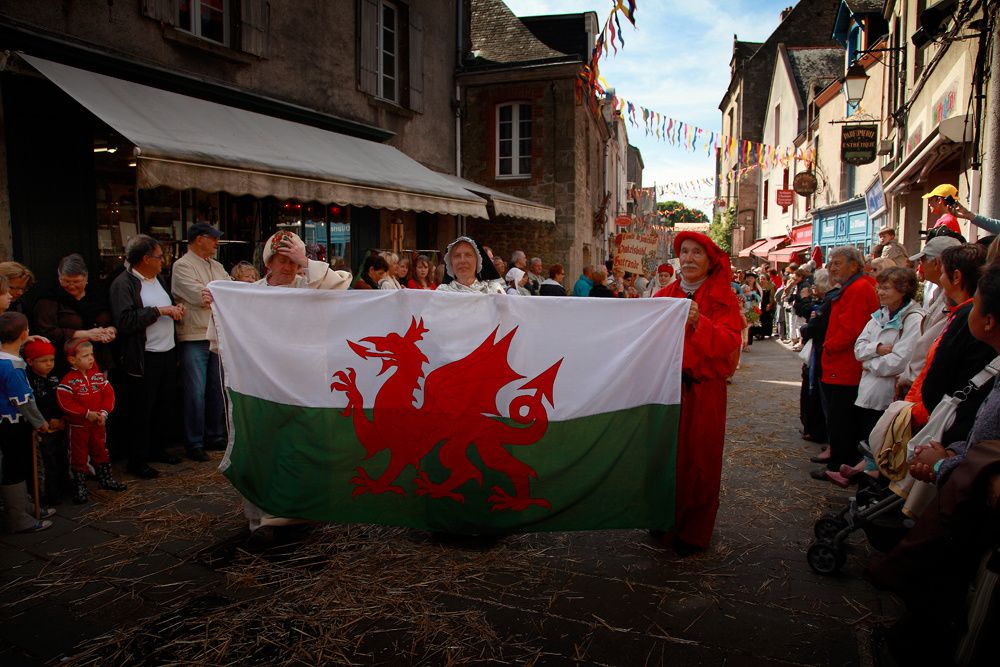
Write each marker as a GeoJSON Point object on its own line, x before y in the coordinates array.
{"type": "Point", "coordinates": [198, 455]}
{"type": "Point", "coordinates": [144, 471]}
{"type": "Point", "coordinates": [216, 446]}
{"type": "Point", "coordinates": [169, 459]}
{"type": "Point", "coordinates": [819, 474]}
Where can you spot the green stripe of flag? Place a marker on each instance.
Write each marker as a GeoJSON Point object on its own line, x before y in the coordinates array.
{"type": "Point", "coordinates": [611, 470]}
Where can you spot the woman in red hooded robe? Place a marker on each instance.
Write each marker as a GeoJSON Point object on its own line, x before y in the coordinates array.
{"type": "Point", "coordinates": [711, 351]}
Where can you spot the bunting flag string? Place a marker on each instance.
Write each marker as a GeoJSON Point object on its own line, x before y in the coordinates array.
{"type": "Point", "coordinates": [689, 137]}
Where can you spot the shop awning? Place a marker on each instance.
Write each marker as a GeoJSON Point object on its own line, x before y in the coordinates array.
{"type": "Point", "coordinates": [756, 244]}
{"type": "Point", "coordinates": [786, 254]}
{"type": "Point", "coordinates": [505, 205]}
{"type": "Point", "coordinates": [764, 248]}
{"type": "Point", "coordinates": [943, 143]}
{"type": "Point", "coordinates": [185, 142]}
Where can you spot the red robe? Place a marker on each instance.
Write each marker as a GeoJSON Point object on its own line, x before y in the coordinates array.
{"type": "Point", "coordinates": [711, 352]}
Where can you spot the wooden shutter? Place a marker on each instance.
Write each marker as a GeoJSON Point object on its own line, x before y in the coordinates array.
{"type": "Point", "coordinates": [255, 17]}
{"type": "Point", "coordinates": [416, 59]}
{"type": "Point", "coordinates": [161, 10]}
{"type": "Point", "coordinates": [368, 46]}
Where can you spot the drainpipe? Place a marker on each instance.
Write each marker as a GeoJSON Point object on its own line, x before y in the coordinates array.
{"type": "Point", "coordinates": [459, 43]}
{"type": "Point", "coordinates": [989, 197]}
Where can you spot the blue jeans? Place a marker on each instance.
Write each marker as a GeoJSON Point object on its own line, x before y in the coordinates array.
{"type": "Point", "coordinates": [201, 383]}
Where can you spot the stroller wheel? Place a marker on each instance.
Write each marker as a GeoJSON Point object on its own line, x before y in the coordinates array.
{"type": "Point", "coordinates": [825, 558]}
{"type": "Point", "coordinates": [827, 528]}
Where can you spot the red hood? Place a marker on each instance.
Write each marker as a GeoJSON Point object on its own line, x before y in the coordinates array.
{"type": "Point", "coordinates": [718, 261]}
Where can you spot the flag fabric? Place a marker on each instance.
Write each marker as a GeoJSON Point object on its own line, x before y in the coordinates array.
{"type": "Point", "coordinates": [459, 413]}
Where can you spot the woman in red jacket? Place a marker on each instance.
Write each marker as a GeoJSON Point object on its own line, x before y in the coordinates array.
{"type": "Point", "coordinates": [711, 350]}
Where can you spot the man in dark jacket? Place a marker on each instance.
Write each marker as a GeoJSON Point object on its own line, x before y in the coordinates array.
{"type": "Point", "coordinates": [850, 311]}
{"type": "Point", "coordinates": [144, 314]}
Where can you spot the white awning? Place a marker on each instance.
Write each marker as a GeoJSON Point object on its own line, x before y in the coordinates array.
{"type": "Point", "coordinates": [185, 142]}
{"type": "Point", "coordinates": [506, 205]}
{"type": "Point", "coordinates": [943, 142]}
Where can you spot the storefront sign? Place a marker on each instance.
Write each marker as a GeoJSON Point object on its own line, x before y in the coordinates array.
{"type": "Point", "coordinates": [784, 198]}
{"type": "Point", "coordinates": [631, 250]}
{"type": "Point", "coordinates": [858, 144]}
{"type": "Point", "coordinates": [804, 183]}
{"type": "Point", "coordinates": [875, 198]}
{"type": "Point", "coordinates": [623, 220]}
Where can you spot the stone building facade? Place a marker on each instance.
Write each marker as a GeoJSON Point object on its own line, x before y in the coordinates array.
{"type": "Point", "coordinates": [510, 67]}
{"type": "Point", "coordinates": [744, 106]}
{"type": "Point", "coordinates": [310, 61]}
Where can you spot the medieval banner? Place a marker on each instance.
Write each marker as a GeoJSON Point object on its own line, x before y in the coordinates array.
{"type": "Point", "coordinates": [451, 412]}
{"type": "Point", "coordinates": [631, 250]}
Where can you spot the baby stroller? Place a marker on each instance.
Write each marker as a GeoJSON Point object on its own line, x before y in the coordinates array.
{"type": "Point", "coordinates": [875, 509]}
{"type": "Point", "coordinates": [885, 510]}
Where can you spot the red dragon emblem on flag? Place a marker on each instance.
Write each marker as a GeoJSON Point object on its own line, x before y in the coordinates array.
{"type": "Point", "coordinates": [459, 410]}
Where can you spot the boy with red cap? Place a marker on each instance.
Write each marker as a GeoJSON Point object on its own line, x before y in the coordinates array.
{"type": "Point", "coordinates": [86, 398]}
{"type": "Point", "coordinates": [54, 479]}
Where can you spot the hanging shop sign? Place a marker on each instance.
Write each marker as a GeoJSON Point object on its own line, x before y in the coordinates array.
{"type": "Point", "coordinates": [875, 198]}
{"type": "Point", "coordinates": [784, 198]}
{"type": "Point", "coordinates": [804, 183]}
{"type": "Point", "coordinates": [623, 220]}
{"type": "Point", "coordinates": [631, 250]}
{"type": "Point", "coordinates": [858, 144]}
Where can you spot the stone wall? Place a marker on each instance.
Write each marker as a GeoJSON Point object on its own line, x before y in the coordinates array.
{"type": "Point", "coordinates": [567, 159]}
{"type": "Point", "coordinates": [310, 60]}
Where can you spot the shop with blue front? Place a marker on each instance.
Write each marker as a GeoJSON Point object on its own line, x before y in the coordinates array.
{"type": "Point", "coordinates": [844, 223]}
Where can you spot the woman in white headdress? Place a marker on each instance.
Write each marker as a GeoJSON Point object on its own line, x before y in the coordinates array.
{"type": "Point", "coordinates": [464, 263]}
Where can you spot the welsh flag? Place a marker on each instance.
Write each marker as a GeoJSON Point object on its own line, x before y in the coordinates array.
{"type": "Point", "coordinates": [459, 413]}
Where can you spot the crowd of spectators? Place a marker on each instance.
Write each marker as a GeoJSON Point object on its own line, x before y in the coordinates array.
{"type": "Point", "coordinates": [884, 339]}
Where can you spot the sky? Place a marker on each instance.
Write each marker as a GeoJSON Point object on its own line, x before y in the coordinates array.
{"type": "Point", "coordinates": [675, 62]}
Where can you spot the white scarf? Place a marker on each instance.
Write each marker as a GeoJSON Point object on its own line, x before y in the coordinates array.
{"type": "Point", "coordinates": [691, 288]}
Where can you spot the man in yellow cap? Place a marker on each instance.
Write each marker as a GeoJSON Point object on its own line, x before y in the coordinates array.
{"type": "Point", "coordinates": [938, 202]}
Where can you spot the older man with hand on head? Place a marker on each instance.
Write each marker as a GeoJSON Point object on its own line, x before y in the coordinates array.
{"type": "Point", "coordinates": [200, 372]}
{"type": "Point", "coordinates": [287, 266]}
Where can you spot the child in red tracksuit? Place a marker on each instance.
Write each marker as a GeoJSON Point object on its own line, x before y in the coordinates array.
{"type": "Point", "coordinates": [86, 398]}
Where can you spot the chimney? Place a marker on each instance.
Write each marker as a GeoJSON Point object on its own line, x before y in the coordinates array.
{"type": "Point", "coordinates": [784, 13]}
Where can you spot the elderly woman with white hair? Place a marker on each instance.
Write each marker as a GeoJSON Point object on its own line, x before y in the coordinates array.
{"type": "Point", "coordinates": [463, 262]}
{"type": "Point", "coordinates": [390, 280]}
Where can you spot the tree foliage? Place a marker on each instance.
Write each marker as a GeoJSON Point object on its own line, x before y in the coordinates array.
{"type": "Point", "coordinates": [674, 211]}
{"type": "Point", "coordinates": [721, 229]}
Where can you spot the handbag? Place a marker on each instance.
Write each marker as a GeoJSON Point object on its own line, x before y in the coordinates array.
{"type": "Point", "coordinates": [805, 354]}
{"type": "Point", "coordinates": [919, 494]}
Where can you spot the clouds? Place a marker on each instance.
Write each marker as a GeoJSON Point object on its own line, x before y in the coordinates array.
{"type": "Point", "coordinates": [676, 62]}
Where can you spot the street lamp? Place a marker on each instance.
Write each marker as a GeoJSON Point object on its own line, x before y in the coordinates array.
{"type": "Point", "coordinates": [854, 83]}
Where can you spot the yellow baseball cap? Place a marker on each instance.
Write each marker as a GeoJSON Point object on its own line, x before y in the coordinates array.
{"type": "Point", "coordinates": [943, 190]}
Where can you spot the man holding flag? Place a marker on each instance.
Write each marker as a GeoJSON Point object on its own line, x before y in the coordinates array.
{"type": "Point", "coordinates": [711, 351]}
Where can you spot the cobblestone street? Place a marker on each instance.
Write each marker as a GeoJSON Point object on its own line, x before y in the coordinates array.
{"type": "Point", "coordinates": [163, 573]}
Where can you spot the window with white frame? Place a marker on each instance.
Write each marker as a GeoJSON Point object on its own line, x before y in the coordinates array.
{"type": "Point", "coordinates": [514, 140]}
{"type": "Point", "coordinates": [388, 51]}
{"type": "Point", "coordinates": [208, 19]}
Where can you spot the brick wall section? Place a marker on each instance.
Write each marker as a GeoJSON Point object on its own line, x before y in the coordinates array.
{"type": "Point", "coordinates": [567, 171]}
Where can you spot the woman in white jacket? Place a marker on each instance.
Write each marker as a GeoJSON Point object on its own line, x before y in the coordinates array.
{"type": "Point", "coordinates": [884, 349]}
